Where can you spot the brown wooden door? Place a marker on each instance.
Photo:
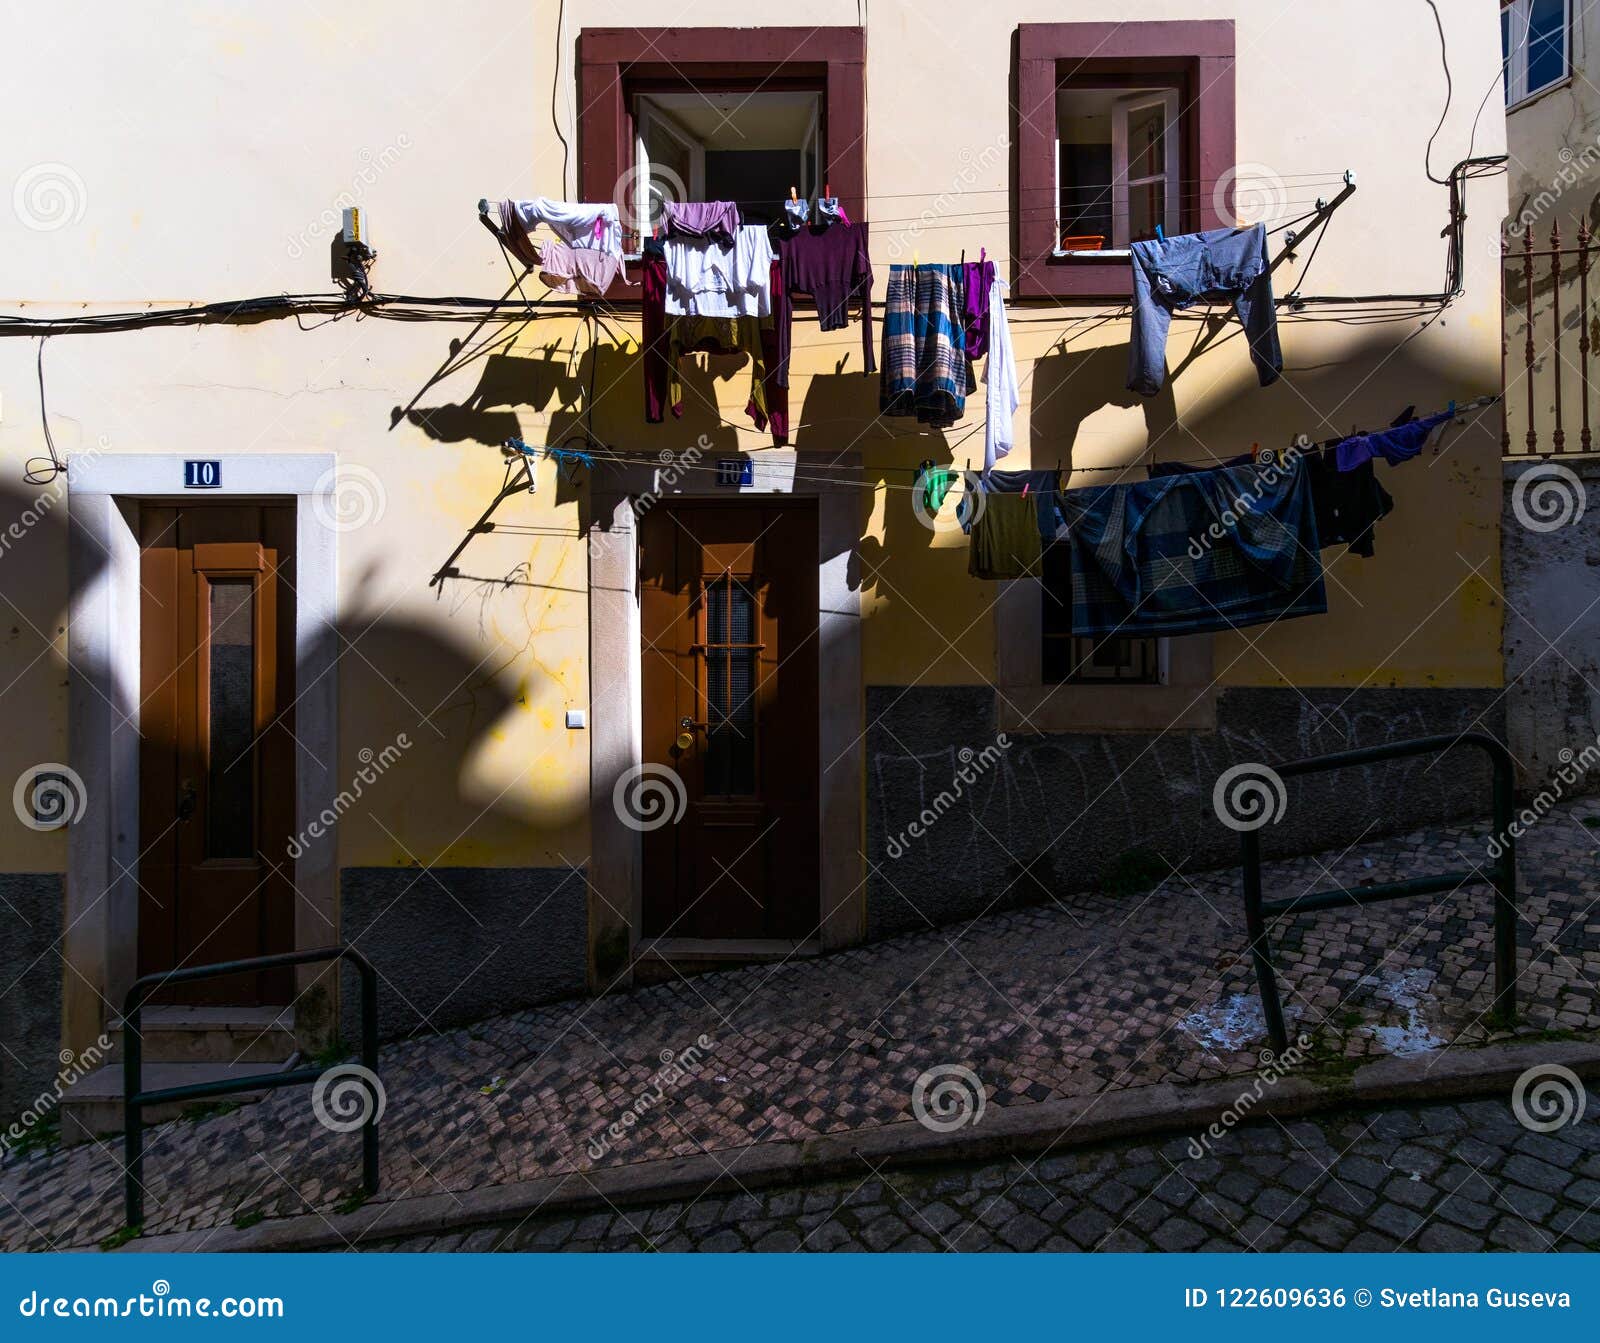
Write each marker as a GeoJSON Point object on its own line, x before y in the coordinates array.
{"type": "Point", "coordinates": [216, 760]}
{"type": "Point", "coordinates": [729, 625]}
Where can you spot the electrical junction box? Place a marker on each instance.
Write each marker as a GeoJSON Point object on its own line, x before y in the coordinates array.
{"type": "Point", "coordinates": [354, 230]}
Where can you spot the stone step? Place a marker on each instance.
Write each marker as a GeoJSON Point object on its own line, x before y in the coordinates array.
{"type": "Point", "coordinates": [185, 1034]}
{"type": "Point", "coordinates": [92, 1106]}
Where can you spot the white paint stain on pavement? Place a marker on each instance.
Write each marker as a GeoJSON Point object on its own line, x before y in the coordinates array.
{"type": "Point", "coordinates": [1408, 991]}
{"type": "Point", "coordinates": [1227, 1027]}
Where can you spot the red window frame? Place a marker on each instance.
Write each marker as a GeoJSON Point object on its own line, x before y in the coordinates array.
{"type": "Point", "coordinates": [613, 63]}
{"type": "Point", "coordinates": [1197, 55]}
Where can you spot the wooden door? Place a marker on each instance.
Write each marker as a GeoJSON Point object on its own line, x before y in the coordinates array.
{"type": "Point", "coordinates": [729, 666]}
{"type": "Point", "coordinates": [217, 753]}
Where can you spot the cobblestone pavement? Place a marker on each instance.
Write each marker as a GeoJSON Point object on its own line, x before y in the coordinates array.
{"type": "Point", "coordinates": [1434, 1178]}
{"type": "Point", "coordinates": [1084, 994]}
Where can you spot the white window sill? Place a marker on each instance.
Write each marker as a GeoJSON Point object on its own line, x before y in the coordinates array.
{"type": "Point", "coordinates": [1109, 254]}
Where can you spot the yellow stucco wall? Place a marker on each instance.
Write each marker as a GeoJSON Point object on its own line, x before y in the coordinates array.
{"type": "Point", "coordinates": [202, 168]}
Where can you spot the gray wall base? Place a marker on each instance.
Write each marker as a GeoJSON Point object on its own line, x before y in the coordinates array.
{"type": "Point", "coordinates": [1060, 813]}
{"type": "Point", "coordinates": [30, 988]}
{"type": "Point", "coordinates": [456, 944]}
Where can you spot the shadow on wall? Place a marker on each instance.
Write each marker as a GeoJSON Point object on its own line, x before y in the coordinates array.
{"type": "Point", "coordinates": [33, 585]}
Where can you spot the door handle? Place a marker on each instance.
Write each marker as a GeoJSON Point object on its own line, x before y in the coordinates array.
{"type": "Point", "coordinates": [686, 735]}
{"type": "Point", "coordinates": [186, 801]}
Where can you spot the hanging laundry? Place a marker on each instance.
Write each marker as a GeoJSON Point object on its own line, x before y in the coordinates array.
{"type": "Point", "coordinates": [936, 483]}
{"type": "Point", "coordinates": [977, 278]}
{"type": "Point", "coordinates": [1191, 554]}
{"type": "Point", "coordinates": [515, 232]}
{"type": "Point", "coordinates": [1002, 392]}
{"type": "Point", "coordinates": [580, 225]}
{"type": "Point", "coordinates": [1170, 274]}
{"type": "Point", "coordinates": [1005, 538]}
{"type": "Point", "coordinates": [717, 221]}
{"type": "Point", "coordinates": [926, 371]}
{"type": "Point", "coordinates": [666, 339]}
{"type": "Point", "coordinates": [577, 270]}
{"type": "Point", "coordinates": [829, 263]}
{"type": "Point", "coordinates": [712, 279]}
{"type": "Point", "coordinates": [1396, 445]}
{"type": "Point", "coordinates": [1347, 504]}
{"type": "Point", "coordinates": [1043, 487]}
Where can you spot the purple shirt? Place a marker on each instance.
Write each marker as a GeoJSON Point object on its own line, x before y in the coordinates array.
{"type": "Point", "coordinates": [702, 219]}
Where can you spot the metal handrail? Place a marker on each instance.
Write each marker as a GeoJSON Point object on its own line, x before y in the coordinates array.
{"type": "Point", "coordinates": [135, 1098]}
{"type": "Point", "coordinates": [1259, 912]}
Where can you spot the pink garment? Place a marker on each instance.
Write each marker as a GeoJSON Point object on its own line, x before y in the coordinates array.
{"type": "Point", "coordinates": [516, 235]}
{"type": "Point", "coordinates": [718, 220]}
{"type": "Point", "coordinates": [578, 270]}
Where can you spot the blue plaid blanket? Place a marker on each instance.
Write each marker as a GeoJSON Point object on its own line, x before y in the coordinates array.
{"type": "Point", "coordinates": [924, 370]}
{"type": "Point", "coordinates": [1188, 554]}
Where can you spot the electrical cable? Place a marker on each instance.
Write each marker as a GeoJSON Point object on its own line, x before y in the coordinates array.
{"type": "Point", "coordinates": [52, 466]}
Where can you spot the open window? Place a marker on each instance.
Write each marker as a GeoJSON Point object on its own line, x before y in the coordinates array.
{"type": "Point", "coordinates": [1122, 128]}
{"type": "Point", "coordinates": [1119, 167]}
{"type": "Point", "coordinates": [708, 143]}
{"type": "Point", "coordinates": [739, 114]}
{"type": "Point", "coordinates": [1534, 39]}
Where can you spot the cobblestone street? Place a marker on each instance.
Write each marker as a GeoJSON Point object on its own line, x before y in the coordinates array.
{"type": "Point", "coordinates": [1085, 995]}
{"type": "Point", "coordinates": [1433, 1178]}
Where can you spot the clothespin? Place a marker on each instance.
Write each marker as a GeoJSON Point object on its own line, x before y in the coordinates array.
{"type": "Point", "coordinates": [599, 227]}
{"type": "Point", "coordinates": [827, 187]}
{"type": "Point", "coordinates": [1027, 485]}
{"type": "Point", "coordinates": [1161, 234]}
{"type": "Point", "coordinates": [794, 193]}
{"type": "Point", "coordinates": [983, 255]}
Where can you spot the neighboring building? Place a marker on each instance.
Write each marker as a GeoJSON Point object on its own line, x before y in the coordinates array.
{"type": "Point", "coordinates": [431, 768]}
{"type": "Point", "coordinates": [1552, 561]}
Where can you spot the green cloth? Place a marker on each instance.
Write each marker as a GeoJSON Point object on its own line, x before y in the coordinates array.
{"type": "Point", "coordinates": [1005, 537]}
{"type": "Point", "coordinates": [936, 483]}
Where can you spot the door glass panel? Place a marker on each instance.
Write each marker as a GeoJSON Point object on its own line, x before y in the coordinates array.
{"type": "Point", "coordinates": [730, 689]}
{"type": "Point", "coordinates": [1147, 207]}
{"type": "Point", "coordinates": [1147, 154]}
{"type": "Point", "coordinates": [230, 795]}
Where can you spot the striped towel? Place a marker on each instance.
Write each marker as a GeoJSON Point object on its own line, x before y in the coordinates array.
{"type": "Point", "coordinates": [925, 370]}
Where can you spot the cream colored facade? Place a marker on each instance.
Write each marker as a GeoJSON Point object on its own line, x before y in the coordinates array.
{"type": "Point", "coordinates": [198, 158]}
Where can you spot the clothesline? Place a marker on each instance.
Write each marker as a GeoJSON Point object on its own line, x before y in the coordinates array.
{"type": "Point", "coordinates": [806, 471]}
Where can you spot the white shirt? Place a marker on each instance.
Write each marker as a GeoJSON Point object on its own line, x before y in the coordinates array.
{"type": "Point", "coordinates": [574, 223]}
{"type": "Point", "coordinates": [709, 279]}
{"type": "Point", "coordinates": [1002, 395]}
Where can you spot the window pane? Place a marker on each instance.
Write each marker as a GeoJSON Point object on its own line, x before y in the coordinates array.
{"type": "Point", "coordinates": [1147, 153]}
{"type": "Point", "coordinates": [230, 795]}
{"type": "Point", "coordinates": [1083, 130]}
{"type": "Point", "coordinates": [1147, 207]}
{"type": "Point", "coordinates": [1547, 44]}
{"type": "Point", "coordinates": [730, 690]}
{"type": "Point", "coordinates": [1506, 22]}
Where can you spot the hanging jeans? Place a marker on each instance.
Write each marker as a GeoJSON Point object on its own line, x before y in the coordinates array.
{"type": "Point", "coordinates": [1171, 274]}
